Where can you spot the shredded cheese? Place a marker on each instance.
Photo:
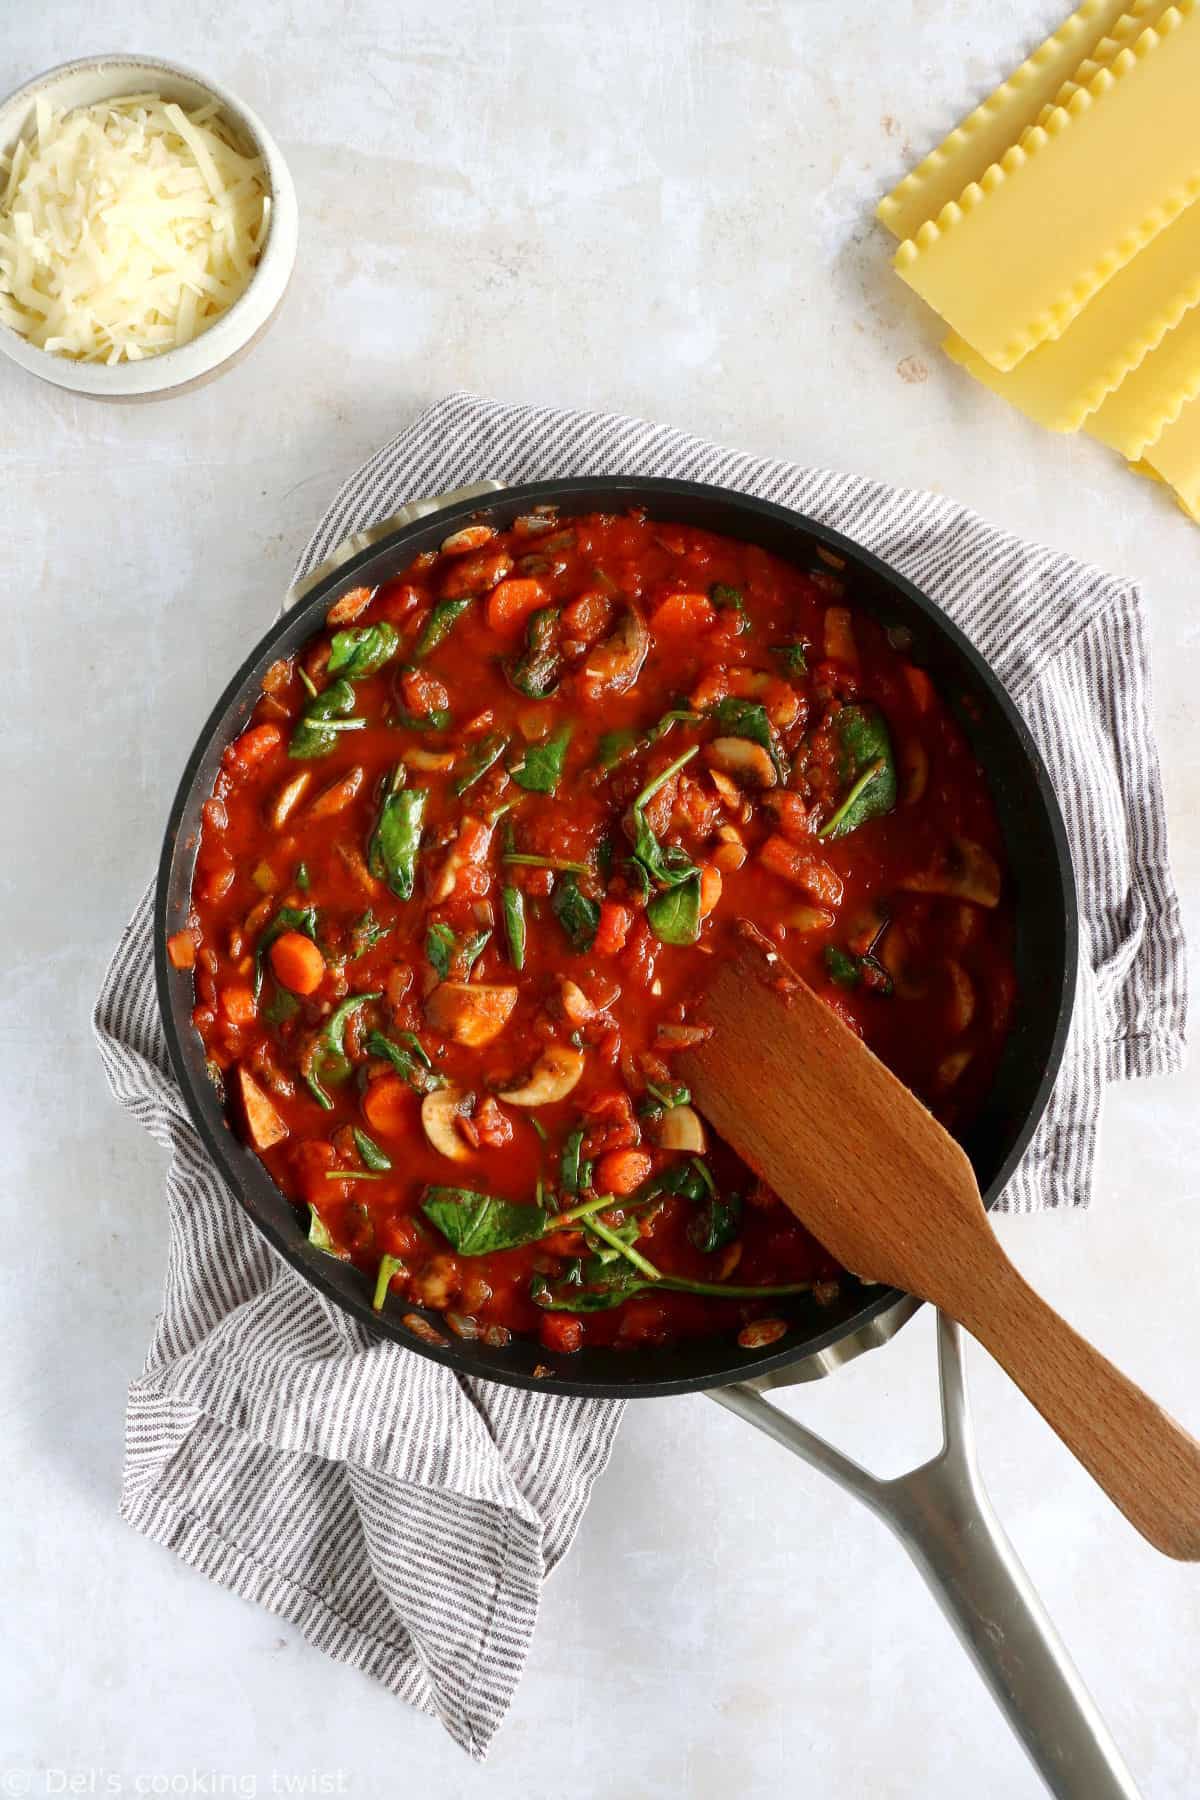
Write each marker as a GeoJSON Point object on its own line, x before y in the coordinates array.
{"type": "Point", "coordinates": [126, 228]}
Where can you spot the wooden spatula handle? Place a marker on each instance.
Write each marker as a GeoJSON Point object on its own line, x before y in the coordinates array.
{"type": "Point", "coordinates": [1147, 1464]}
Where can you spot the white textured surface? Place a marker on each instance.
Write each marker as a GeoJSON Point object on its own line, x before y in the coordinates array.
{"type": "Point", "coordinates": [668, 215]}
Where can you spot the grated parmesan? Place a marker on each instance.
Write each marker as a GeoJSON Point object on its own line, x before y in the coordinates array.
{"type": "Point", "coordinates": [126, 228]}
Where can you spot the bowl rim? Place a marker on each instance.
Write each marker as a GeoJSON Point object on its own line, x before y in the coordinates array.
{"type": "Point", "coordinates": [868, 1324]}
{"type": "Point", "coordinates": [236, 328]}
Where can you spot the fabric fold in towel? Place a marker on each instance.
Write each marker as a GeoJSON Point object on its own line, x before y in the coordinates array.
{"type": "Point", "coordinates": [401, 1517]}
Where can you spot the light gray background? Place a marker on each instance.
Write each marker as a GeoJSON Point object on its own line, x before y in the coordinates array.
{"type": "Point", "coordinates": [663, 208]}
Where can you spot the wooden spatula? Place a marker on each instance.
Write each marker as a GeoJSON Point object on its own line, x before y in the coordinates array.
{"type": "Point", "coordinates": [897, 1202]}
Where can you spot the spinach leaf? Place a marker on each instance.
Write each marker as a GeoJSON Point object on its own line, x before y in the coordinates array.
{"type": "Point", "coordinates": [453, 956]}
{"type": "Point", "coordinates": [717, 1223]}
{"type": "Point", "coordinates": [327, 714]}
{"type": "Point", "coordinates": [439, 948]}
{"type": "Point", "coordinates": [667, 866]}
{"type": "Point", "coordinates": [513, 901]}
{"type": "Point", "coordinates": [578, 916]}
{"type": "Point", "coordinates": [575, 1174]}
{"type": "Point", "coordinates": [540, 769]}
{"type": "Point", "coordinates": [615, 746]}
{"type": "Point", "coordinates": [412, 1066]}
{"type": "Point", "coordinates": [288, 918]}
{"type": "Point", "coordinates": [319, 1234]}
{"type": "Point", "coordinates": [746, 719]}
{"type": "Point", "coordinates": [536, 671]}
{"type": "Point", "coordinates": [365, 933]}
{"type": "Point", "coordinates": [369, 1150]}
{"type": "Point", "coordinates": [438, 626]}
{"type": "Point", "coordinates": [487, 751]}
{"type": "Point", "coordinates": [303, 878]}
{"type": "Point", "coordinates": [436, 720]}
{"type": "Point", "coordinates": [362, 650]}
{"type": "Point", "coordinates": [868, 765]}
{"type": "Point", "coordinates": [674, 914]}
{"type": "Point", "coordinates": [857, 971]}
{"type": "Point", "coordinates": [388, 1266]}
{"type": "Point", "coordinates": [325, 1061]}
{"type": "Point", "coordinates": [476, 1224]}
{"type": "Point", "coordinates": [730, 599]}
{"type": "Point", "coordinates": [592, 1286]}
{"type": "Point", "coordinates": [396, 839]}
{"type": "Point", "coordinates": [792, 658]}
{"type": "Point", "coordinates": [691, 1179]}
{"type": "Point", "coordinates": [281, 1006]}
{"type": "Point", "coordinates": [529, 861]}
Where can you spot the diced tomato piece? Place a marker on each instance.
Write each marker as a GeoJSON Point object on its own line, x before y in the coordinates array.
{"type": "Point", "coordinates": [920, 687]}
{"type": "Point", "coordinates": [511, 602]}
{"type": "Point", "coordinates": [621, 1171]}
{"type": "Point", "coordinates": [181, 949]}
{"type": "Point", "coordinates": [612, 1125]}
{"type": "Point", "coordinates": [239, 1005]}
{"type": "Point", "coordinates": [683, 613]}
{"type": "Point", "coordinates": [612, 929]}
{"type": "Point", "coordinates": [561, 1332]}
{"type": "Point", "coordinates": [493, 1126]}
{"type": "Point", "coordinates": [812, 874]}
{"type": "Point", "coordinates": [793, 817]}
{"type": "Point", "coordinates": [252, 748]}
{"type": "Point", "coordinates": [388, 1105]}
{"type": "Point", "coordinates": [587, 617]}
{"type": "Point", "coordinates": [423, 693]}
{"type": "Point", "coordinates": [397, 600]}
{"type": "Point", "coordinates": [399, 1237]}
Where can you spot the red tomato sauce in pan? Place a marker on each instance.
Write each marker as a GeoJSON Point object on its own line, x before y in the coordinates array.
{"type": "Point", "coordinates": [463, 878]}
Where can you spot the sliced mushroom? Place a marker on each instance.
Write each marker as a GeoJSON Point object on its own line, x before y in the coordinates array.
{"type": "Point", "coordinates": [264, 1126]}
{"type": "Point", "coordinates": [894, 953]}
{"type": "Point", "coordinates": [470, 1012]}
{"type": "Point", "coordinates": [347, 609]}
{"type": "Point", "coordinates": [727, 790]}
{"type": "Point", "coordinates": [288, 799]}
{"type": "Point", "coordinates": [963, 871]}
{"type": "Point", "coordinates": [614, 665]}
{"type": "Point", "coordinates": [745, 761]}
{"type": "Point", "coordinates": [552, 1077]}
{"type": "Point", "coordinates": [337, 796]}
{"type": "Point", "coordinates": [439, 1121]}
{"type": "Point", "coordinates": [962, 998]}
{"type": "Point", "coordinates": [729, 855]}
{"type": "Point", "coordinates": [430, 762]}
{"type": "Point", "coordinates": [914, 771]}
{"type": "Point", "coordinates": [681, 1128]}
{"type": "Point", "coordinates": [575, 1003]}
{"type": "Point", "coordinates": [681, 1037]}
{"type": "Point", "coordinates": [808, 919]}
{"type": "Point", "coordinates": [952, 1066]}
{"type": "Point", "coordinates": [471, 537]}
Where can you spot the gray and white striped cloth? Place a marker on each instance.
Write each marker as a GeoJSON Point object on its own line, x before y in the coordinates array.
{"type": "Point", "coordinates": [404, 1519]}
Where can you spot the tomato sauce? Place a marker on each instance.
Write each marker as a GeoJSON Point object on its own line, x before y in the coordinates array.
{"type": "Point", "coordinates": [462, 880]}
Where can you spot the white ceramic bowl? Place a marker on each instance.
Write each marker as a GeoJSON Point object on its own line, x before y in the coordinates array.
{"type": "Point", "coordinates": [95, 78]}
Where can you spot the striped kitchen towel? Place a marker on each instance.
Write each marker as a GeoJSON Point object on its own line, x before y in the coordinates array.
{"type": "Point", "coordinates": [404, 1519]}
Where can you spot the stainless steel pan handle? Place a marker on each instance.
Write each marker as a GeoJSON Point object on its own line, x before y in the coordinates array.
{"type": "Point", "coordinates": [942, 1515]}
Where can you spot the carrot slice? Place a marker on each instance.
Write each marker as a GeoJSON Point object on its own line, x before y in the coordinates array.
{"type": "Point", "coordinates": [387, 1106]}
{"type": "Point", "coordinates": [683, 612]}
{"type": "Point", "coordinates": [621, 1171]}
{"type": "Point", "coordinates": [297, 963]}
{"type": "Point", "coordinates": [239, 1005]}
{"type": "Point", "coordinates": [511, 602]}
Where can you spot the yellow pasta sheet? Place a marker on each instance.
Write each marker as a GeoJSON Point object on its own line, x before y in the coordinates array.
{"type": "Point", "coordinates": [1065, 379]}
{"type": "Point", "coordinates": [1026, 248]}
{"type": "Point", "coordinates": [1176, 458]}
{"type": "Point", "coordinates": [983, 137]}
{"type": "Point", "coordinates": [1128, 28]}
{"type": "Point", "coordinates": [1146, 402]}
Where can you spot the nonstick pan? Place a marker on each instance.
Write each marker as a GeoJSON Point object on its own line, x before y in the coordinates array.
{"type": "Point", "coordinates": [944, 1520]}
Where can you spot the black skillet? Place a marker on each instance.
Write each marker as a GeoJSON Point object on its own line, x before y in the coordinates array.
{"type": "Point", "coordinates": [940, 1511]}
{"type": "Point", "coordinates": [1038, 860]}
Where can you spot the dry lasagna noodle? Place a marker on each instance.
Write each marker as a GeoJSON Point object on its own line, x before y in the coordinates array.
{"type": "Point", "coordinates": [982, 138]}
{"type": "Point", "coordinates": [1064, 380]}
{"type": "Point", "coordinates": [1135, 417]}
{"type": "Point", "coordinates": [1034, 224]}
